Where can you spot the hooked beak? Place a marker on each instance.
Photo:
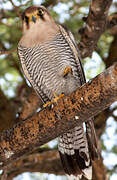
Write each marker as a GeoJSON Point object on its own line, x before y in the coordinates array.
{"type": "Point", "coordinates": [33, 19]}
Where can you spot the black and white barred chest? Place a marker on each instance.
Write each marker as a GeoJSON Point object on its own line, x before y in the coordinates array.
{"type": "Point", "coordinates": [45, 64]}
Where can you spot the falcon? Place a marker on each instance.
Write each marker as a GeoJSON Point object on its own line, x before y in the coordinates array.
{"type": "Point", "coordinates": [51, 62]}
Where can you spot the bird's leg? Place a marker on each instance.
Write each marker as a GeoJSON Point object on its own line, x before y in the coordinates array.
{"type": "Point", "coordinates": [56, 98]}
{"type": "Point", "coordinates": [47, 104]}
{"type": "Point", "coordinates": [67, 70]}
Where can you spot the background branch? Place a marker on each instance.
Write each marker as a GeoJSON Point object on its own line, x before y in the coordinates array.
{"type": "Point", "coordinates": [96, 23]}
{"type": "Point", "coordinates": [7, 51]}
{"type": "Point", "coordinates": [45, 162]}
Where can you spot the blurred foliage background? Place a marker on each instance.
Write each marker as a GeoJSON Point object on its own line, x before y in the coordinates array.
{"type": "Point", "coordinates": [70, 13]}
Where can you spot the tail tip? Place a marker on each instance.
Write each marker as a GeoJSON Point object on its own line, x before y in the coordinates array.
{"type": "Point", "coordinates": [73, 177]}
{"type": "Point", "coordinates": [86, 173]}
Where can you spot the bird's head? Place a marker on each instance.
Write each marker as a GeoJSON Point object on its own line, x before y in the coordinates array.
{"type": "Point", "coordinates": [35, 15]}
{"type": "Point", "coordinates": [38, 26]}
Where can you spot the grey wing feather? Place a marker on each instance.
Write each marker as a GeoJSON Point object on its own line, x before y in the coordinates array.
{"type": "Point", "coordinates": [77, 52]}
{"type": "Point", "coordinates": [90, 130]}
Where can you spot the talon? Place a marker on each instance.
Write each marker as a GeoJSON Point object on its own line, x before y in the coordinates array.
{"type": "Point", "coordinates": [67, 70]}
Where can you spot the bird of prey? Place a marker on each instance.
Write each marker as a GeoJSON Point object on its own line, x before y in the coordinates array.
{"type": "Point", "coordinates": [51, 62]}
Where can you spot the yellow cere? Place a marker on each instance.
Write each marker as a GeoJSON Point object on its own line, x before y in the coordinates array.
{"type": "Point", "coordinates": [32, 14]}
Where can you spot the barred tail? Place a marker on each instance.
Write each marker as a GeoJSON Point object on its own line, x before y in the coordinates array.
{"type": "Point", "coordinates": [92, 140]}
{"type": "Point", "coordinates": [75, 148]}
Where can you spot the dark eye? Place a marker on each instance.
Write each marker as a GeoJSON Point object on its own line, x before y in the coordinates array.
{"type": "Point", "coordinates": [40, 12]}
{"type": "Point", "coordinates": [26, 20]}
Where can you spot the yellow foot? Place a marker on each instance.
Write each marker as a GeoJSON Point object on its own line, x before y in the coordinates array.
{"type": "Point", "coordinates": [67, 70]}
{"type": "Point", "coordinates": [54, 100]}
{"type": "Point", "coordinates": [57, 97]}
{"type": "Point", "coordinates": [47, 104]}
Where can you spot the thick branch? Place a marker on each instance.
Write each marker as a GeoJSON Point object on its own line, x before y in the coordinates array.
{"type": "Point", "coordinates": [96, 24]}
{"type": "Point", "coordinates": [48, 162]}
{"type": "Point", "coordinates": [86, 102]}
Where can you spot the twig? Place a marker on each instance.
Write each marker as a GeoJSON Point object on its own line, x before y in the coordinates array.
{"type": "Point", "coordinates": [45, 162]}
{"type": "Point", "coordinates": [7, 52]}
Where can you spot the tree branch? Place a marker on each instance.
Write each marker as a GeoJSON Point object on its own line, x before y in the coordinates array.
{"type": "Point", "coordinates": [48, 162]}
{"type": "Point", "coordinates": [7, 51]}
{"type": "Point", "coordinates": [86, 102]}
{"type": "Point", "coordinates": [96, 24]}
{"type": "Point", "coordinates": [45, 162]}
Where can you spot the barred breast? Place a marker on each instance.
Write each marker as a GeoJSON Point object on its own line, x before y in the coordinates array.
{"type": "Point", "coordinates": [45, 64]}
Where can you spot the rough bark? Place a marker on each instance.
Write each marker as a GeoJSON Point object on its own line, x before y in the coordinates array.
{"type": "Point", "coordinates": [86, 102]}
